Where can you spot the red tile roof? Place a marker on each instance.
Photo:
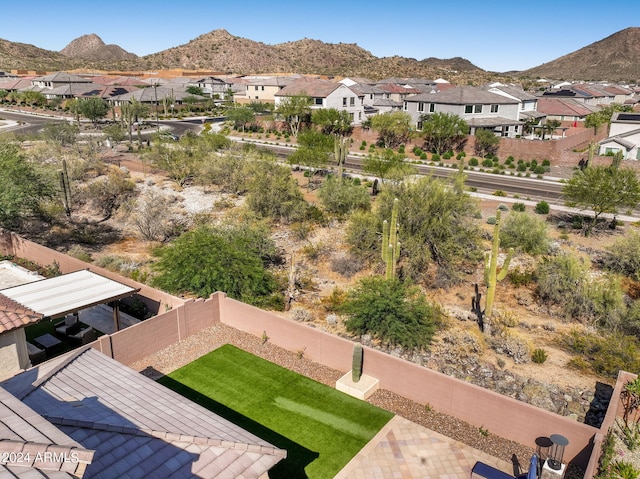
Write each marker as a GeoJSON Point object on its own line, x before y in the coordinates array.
{"type": "Point", "coordinates": [13, 315]}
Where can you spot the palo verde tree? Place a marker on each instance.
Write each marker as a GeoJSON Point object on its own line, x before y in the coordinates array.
{"type": "Point", "coordinates": [602, 189]}
{"type": "Point", "coordinates": [240, 116]}
{"type": "Point", "coordinates": [93, 108]}
{"type": "Point", "coordinates": [386, 164]}
{"type": "Point", "coordinates": [443, 132]}
{"type": "Point", "coordinates": [603, 116]}
{"type": "Point", "coordinates": [294, 110]}
{"type": "Point", "coordinates": [394, 128]}
{"type": "Point", "coordinates": [312, 152]}
{"type": "Point", "coordinates": [23, 187]}
{"type": "Point", "coordinates": [336, 123]}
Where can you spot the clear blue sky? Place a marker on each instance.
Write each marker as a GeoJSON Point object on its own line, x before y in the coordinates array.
{"type": "Point", "coordinates": [493, 35]}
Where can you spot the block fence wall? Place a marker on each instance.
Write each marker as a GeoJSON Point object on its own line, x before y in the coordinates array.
{"type": "Point", "coordinates": [501, 415]}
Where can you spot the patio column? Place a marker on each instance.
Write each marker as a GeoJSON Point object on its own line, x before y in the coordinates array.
{"type": "Point", "coordinates": [116, 315]}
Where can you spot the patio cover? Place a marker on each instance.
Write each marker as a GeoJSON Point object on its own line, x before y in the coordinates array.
{"type": "Point", "coordinates": [68, 293]}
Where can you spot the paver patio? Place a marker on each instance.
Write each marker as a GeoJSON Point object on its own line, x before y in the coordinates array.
{"type": "Point", "coordinates": [405, 450]}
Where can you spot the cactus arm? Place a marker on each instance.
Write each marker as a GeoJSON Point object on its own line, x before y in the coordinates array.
{"type": "Point", "coordinates": [505, 266]}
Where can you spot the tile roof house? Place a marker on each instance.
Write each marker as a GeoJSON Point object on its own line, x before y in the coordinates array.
{"type": "Point", "coordinates": [528, 102]}
{"type": "Point", "coordinates": [135, 427]}
{"type": "Point", "coordinates": [326, 94]}
{"type": "Point", "coordinates": [564, 109]}
{"type": "Point", "coordinates": [264, 89]}
{"type": "Point", "coordinates": [624, 136]}
{"type": "Point", "coordinates": [14, 353]}
{"type": "Point", "coordinates": [478, 107]}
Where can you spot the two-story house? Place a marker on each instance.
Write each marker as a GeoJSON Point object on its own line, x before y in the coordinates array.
{"type": "Point", "coordinates": [480, 108]}
{"type": "Point", "coordinates": [326, 94]}
{"type": "Point", "coordinates": [213, 87]}
{"type": "Point", "coordinates": [263, 89]}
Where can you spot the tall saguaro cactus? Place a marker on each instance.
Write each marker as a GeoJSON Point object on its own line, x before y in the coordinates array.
{"type": "Point", "coordinates": [390, 243]}
{"type": "Point", "coordinates": [66, 188]}
{"type": "Point", "coordinates": [491, 275]}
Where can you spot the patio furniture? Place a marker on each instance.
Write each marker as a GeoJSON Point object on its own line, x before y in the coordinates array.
{"type": "Point", "coordinates": [481, 470]}
{"type": "Point", "coordinates": [68, 326]}
{"type": "Point", "coordinates": [36, 355]}
{"type": "Point", "coordinates": [85, 336]}
{"type": "Point", "coordinates": [48, 341]}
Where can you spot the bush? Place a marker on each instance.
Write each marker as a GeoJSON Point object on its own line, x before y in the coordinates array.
{"type": "Point", "coordinates": [473, 162]}
{"type": "Point", "coordinates": [435, 157]}
{"type": "Point", "coordinates": [346, 265]}
{"type": "Point", "coordinates": [423, 156]}
{"type": "Point", "coordinates": [503, 207]}
{"type": "Point", "coordinates": [512, 346]}
{"type": "Point", "coordinates": [392, 312]}
{"type": "Point", "coordinates": [487, 163]}
{"type": "Point", "coordinates": [542, 208]}
{"type": "Point", "coordinates": [341, 196]}
{"type": "Point", "coordinates": [539, 356]}
{"type": "Point", "coordinates": [624, 255]}
{"type": "Point", "coordinates": [519, 277]}
{"type": "Point", "coordinates": [491, 220]}
{"type": "Point", "coordinates": [602, 353]}
{"type": "Point", "coordinates": [525, 233]}
{"type": "Point", "coordinates": [520, 207]}
{"type": "Point", "coordinates": [499, 193]}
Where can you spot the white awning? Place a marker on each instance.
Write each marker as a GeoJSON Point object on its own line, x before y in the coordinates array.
{"type": "Point", "coordinates": [68, 293]}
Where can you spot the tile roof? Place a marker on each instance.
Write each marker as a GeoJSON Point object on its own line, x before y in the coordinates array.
{"type": "Point", "coordinates": [137, 425]}
{"type": "Point", "coordinates": [463, 95]}
{"type": "Point", "coordinates": [563, 107]}
{"type": "Point", "coordinates": [515, 92]}
{"type": "Point", "coordinates": [13, 315]}
{"type": "Point", "coordinates": [313, 88]}
{"type": "Point", "coordinates": [32, 441]}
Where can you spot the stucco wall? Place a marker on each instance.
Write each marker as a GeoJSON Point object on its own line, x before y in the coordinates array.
{"type": "Point", "coordinates": [14, 356]}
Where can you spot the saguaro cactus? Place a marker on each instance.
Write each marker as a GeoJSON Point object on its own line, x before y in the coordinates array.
{"type": "Point", "coordinates": [66, 188]}
{"type": "Point", "coordinates": [491, 275]}
{"type": "Point", "coordinates": [390, 244]}
{"type": "Point", "coordinates": [356, 363]}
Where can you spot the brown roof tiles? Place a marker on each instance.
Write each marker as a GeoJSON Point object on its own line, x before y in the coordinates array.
{"type": "Point", "coordinates": [13, 315]}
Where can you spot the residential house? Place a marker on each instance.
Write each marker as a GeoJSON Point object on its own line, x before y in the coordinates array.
{"type": "Point", "coordinates": [326, 94]}
{"type": "Point", "coordinates": [621, 94]}
{"type": "Point", "coordinates": [57, 79]}
{"type": "Point", "coordinates": [214, 87]}
{"type": "Point", "coordinates": [375, 99]}
{"type": "Point", "coordinates": [624, 136]}
{"type": "Point", "coordinates": [351, 81]}
{"type": "Point", "coordinates": [570, 93]}
{"type": "Point", "coordinates": [478, 107]}
{"type": "Point", "coordinates": [112, 421]}
{"type": "Point", "coordinates": [564, 109]}
{"type": "Point", "coordinates": [264, 89]}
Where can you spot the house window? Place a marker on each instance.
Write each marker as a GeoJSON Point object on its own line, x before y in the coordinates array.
{"type": "Point", "coordinates": [432, 107]}
{"type": "Point", "coordinates": [317, 101]}
{"type": "Point", "coordinates": [344, 101]}
{"type": "Point", "coordinates": [262, 87]}
{"type": "Point", "coordinates": [404, 106]}
{"type": "Point", "coordinates": [494, 108]}
{"type": "Point", "coordinates": [256, 87]}
{"type": "Point", "coordinates": [370, 96]}
{"type": "Point", "coordinates": [468, 108]}
{"type": "Point", "coordinates": [477, 108]}
{"type": "Point", "coordinates": [419, 125]}
{"type": "Point", "coordinates": [352, 101]}
{"type": "Point", "coordinates": [420, 106]}
{"type": "Point", "coordinates": [359, 115]}
{"type": "Point", "coordinates": [351, 116]}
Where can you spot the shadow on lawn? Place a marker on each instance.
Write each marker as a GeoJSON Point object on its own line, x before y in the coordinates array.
{"type": "Point", "coordinates": [298, 457]}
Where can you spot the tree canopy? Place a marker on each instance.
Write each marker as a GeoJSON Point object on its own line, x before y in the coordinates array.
{"type": "Point", "coordinates": [93, 108]}
{"type": "Point", "coordinates": [295, 109]}
{"type": "Point", "coordinates": [602, 189]}
{"type": "Point", "coordinates": [387, 164]}
{"type": "Point", "coordinates": [240, 116]}
{"type": "Point", "coordinates": [486, 142]}
{"type": "Point", "coordinates": [394, 128]}
{"type": "Point", "coordinates": [208, 259]}
{"type": "Point", "coordinates": [443, 132]}
{"type": "Point", "coordinates": [22, 186]}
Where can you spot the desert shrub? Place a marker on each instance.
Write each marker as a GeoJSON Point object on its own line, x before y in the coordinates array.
{"type": "Point", "coordinates": [435, 157]}
{"type": "Point", "coordinates": [334, 301]}
{"type": "Point", "coordinates": [519, 277]}
{"type": "Point", "coordinates": [315, 251]}
{"type": "Point", "coordinates": [302, 315]}
{"type": "Point", "coordinates": [491, 220]}
{"type": "Point", "coordinates": [456, 343]}
{"type": "Point", "coordinates": [604, 354]}
{"type": "Point", "coordinates": [343, 196]}
{"type": "Point", "coordinates": [519, 207]}
{"type": "Point", "coordinates": [624, 469]}
{"type": "Point", "coordinates": [487, 163]}
{"type": "Point", "coordinates": [525, 233]}
{"type": "Point", "coordinates": [539, 356]}
{"type": "Point", "coordinates": [624, 255]}
{"type": "Point", "coordinates": [561, 279]}
{"type": "Point", "coordinates": [346, 265]}
{"type": "Point", "coordinates": [542, 208]}
{"type": "Point", "coordinates": [512, 346]}
{"type": "Point", "coordinates": [473, 162]}
{"type": "Point", "coordinates": [393, 312]}
{"type": "Point", "coordinates": [503, 207]}
{"type": "Point", "coordinates": [499, 193]}
{"type": "Point", "coordinates": [78, 252]}
{"type": "Point", "coordinates": [362, 235]}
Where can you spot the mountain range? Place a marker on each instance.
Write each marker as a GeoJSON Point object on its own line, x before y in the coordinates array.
{"type": "Point", "coordinates": [615, 58]}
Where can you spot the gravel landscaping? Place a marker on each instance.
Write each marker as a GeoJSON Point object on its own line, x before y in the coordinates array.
{"type": "Point", "coordinates": [182, 353]}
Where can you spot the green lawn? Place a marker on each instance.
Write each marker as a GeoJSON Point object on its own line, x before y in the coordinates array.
{"type": "Point", "coordinates": [321, 428]}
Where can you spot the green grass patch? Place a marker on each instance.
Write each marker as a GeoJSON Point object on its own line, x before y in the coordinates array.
{"type": "Point", "coordinates": [320, 427]}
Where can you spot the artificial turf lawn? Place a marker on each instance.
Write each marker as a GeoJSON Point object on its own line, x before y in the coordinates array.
{"type": "Point", "coordinates": [320, 427]}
